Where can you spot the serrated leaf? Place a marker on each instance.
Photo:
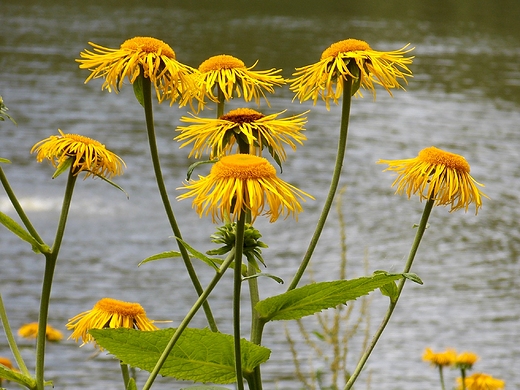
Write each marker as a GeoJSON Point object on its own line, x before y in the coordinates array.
{"type": "Point", "coordinates": [315, 297]}
{"type": "Point", "coordinates": [160, 256]}
{"type": "Point", "coordinates": [199, 355]}
{"type": "Point", "coordinates": [14, 227]}
{"type": "Point", "coordinates": [13, 376]}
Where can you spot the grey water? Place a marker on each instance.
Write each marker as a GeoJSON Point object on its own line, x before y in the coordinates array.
{"type": "Point", "coordinates": [464, 98]}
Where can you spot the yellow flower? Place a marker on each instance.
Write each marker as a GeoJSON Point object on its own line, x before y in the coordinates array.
{"type": "Point", "coordinates": [353, 59]}
{"type": "Point", "coordinates": [153, 57]}
{"type": "Point", "coordinates": [438, 175]}
{"type": "Point", "coordinates": [480, 381]}
{"type": "Point", "coordinates": [242, 182]}
{"type": "Point", "coordinates": [440, 359]}
{"type": "Point", "coordinates": [229, 74]}
{"type": "Point", "coordinates": [466, 360]}
{"type": "Point", "coordinates": [30, 331]}
{"type": "Point", "coordinates": [6, 362]}
{"type": "Point", "coordinates": [217, 136]}
{"type": "Point", "coordinates": [109, 313]}
{"type": "Point", "coordinates": [89, 155]}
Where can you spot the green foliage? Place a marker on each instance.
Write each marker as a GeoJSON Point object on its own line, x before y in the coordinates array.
{"type": "Point", "coordinates": [199, 355]}
{"type": "Point", "coordinates": [204, 387]}
{"type": "Point", "coordinates": [131, 384]}
{"type": "Point", "coordinates": [13, 376]}
{"type": "Point", "coordinates": [14, 227]}
{"type": "Point", "coordinates": [160, 256]}
{"type": "Point", "coordinates": [138, 90]}
{"type": "Point", "coordinates": [3, 112]}
{"type": "Point", "coordinates": [192, 167]}
{"type": "Point", "coordinates": [315, 297]}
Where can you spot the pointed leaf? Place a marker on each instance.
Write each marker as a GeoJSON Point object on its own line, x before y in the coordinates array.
{"type": "Point", "coordinates": [112, 184]}
{"type": "Point", "coordinates": [131, 384]}
{"type": "Point", "coordinates": [13, 376]}
{"type": "Point", "coordinates": [63, 167]}
{"type": "Point", "coordinates": [199, 255]}
{"type": "Point", "coordinates": [316, 297]}
{"type": "Point", "coordinates": [274, 277]}
{"type": "Point", "coordinates": [14, 227]}
{"type": "Point", "coordinates": [413, 277]}
{"type": "Point", "coordinates": [138, 90]}
{"type": "Point", "coordinates": [205, 387]}
{"type": "Point", "coordinates": [192, 167]}
{"type": "Point", "coordinates": [200, 355]}
{"type": "Point", "coordinates": [4, 160]}
{"type": "Point", "coordinates": [160, 256]}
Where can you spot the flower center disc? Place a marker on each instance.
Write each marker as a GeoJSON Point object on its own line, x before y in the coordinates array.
{"type": "Point", "coordinates": [345, 46]}
{"type": "Point", "coordinates": [127, 309]}
{"type": "Point", "coordinates": [435, 156]}
{"type": "Point", "coordinates": [83, 140]}
{"type": "Point", "coordinates": [149, 45]}
{"type": "Point", "coordinates": [242, 115]}
{"type": "Point", "coordinates": [220, 62]}
{"type": "Point", "coordinates": [243, 167]}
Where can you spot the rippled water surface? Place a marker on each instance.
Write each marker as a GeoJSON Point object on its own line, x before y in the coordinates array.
{"type": "Point", "coordinates": [464, 97]}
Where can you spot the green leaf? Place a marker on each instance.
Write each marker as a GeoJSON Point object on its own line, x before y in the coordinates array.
{"type": "Point", "coordinates": [14, 227]}
{"type": "Point", "coordinates": [200, 355]}
{"type": "Point", "coordinates": [4, 160]}
{"type": "Point", "coordinates": [413, 277]}
{"type": "Point", "coordinates": [192, 167]}
{"type": "Point", "coordinates": [201, 256]}
{"type": "Point", "coordinates": [315, 297]}
{"type": "Point", "coordinates": [274, 277]}
{"type": "Point", "coordinates": [63, 167]}
{"type": "Point", "coordinates": [13, 376]}
{"type": "Point", "coordinates": [204, 387]}
{"type": "Point", "coordinates": [131, 384]}
{"type": "Point", "coordinates": [112, 184]}
{"type": "Point", "coordinates": [138, 90]}
{"type": "Point", "coordinates": [160, 256]}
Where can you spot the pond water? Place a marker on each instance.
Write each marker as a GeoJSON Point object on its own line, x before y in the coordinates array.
{"type": "Point", "coordinates": [464, 97]}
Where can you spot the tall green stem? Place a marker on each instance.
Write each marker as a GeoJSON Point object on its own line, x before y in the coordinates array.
{"type": "Point", "coordinates": [340, 156]}
{"type": "Point", "coordinates": [237, 284]}
{"type": "Point", "coordinates": [185, 322]}
{"type": "Point", "coordinates": [147, 103]}
{"type": "Point", "coordinates": [10, 339]}
{"type": "Point", "coordinates": [441, 375]}
{"type": "Point", "coordinates": [50, 265]}
{"type": "Point", "coordinates": [221, 102]}
{"type": "Point", "coordinates": [418, 236]}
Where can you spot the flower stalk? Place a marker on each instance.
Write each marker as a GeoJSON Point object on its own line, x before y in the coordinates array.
{"type": "Point", "coordinates": [237, 283]}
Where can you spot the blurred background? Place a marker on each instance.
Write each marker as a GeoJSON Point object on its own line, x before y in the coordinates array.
{"type": "Point", "coordinates": [464, 98]}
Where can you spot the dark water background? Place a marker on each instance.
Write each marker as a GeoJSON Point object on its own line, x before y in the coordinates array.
{"type": "Point", "coordinates": [464, 97]}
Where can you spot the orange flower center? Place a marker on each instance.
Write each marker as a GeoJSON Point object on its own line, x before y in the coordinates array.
{"type": "Point", "coordinates": [82, 139]}
{"type": "Point", "coordinates": [149, 45]}
{"type": "Point", "coordinates": [126, 309]}
{"type": "Point", "coordinates": [435, 156]}
{"type": "Point", "coordinates": [220, 62]}
{"type": "Point", "coordinates": [242, 115]}
{"type": "Point", "coordinates": [243, 167]}
{"type": "Point", "coordinates": [345, 46]}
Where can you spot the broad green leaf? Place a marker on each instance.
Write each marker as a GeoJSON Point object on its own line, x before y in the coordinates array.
{"type": "Point", "coordinates": [390, 290]}
{"type": "Point", "coordinates": [315, 297]}
{"type": "Point", "coordinates": [199, 355]}
{"type": "Point", "coordinates": [160, 256]}
{"type": "Point", "coordinates": [14, 227]}
{"type": "Point", "coordinates": [13, 376]}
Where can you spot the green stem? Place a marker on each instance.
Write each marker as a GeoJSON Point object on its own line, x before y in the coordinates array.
{"type": "Point", "coordinates": [189, 316]}
{"type": "Point", "coordinates": [463, 378]}
{"type": "Point", "coordinates": [21, 213]}
{"type": "Point", "coordinates": [147, 103]}
{"type": "Point", "coordinates": [342, 146]}
{"type": "Point", "coordinates": [418, 236]}
{"type": "Point", "coordinates": [125, 373]}
{"type": "Point", "coordinates": [50, 265]}
{"type": "Point", "coordinates": [237, 284]}
{"type": "Point", "coordinates": [221, 102]}
{"type": "Point", "coordinates": [11, 340]}
{"type": "Point", "coordinates": [441, 375]}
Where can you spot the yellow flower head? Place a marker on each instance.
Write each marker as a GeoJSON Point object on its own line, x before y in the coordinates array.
{"type": "Point", "coordinates": [440, 359]}
{"type": "Point", "coordinates": [480, 381]}
{"type": "Point", "coordinates": [217, 136]}
{"type": "Point", "coordinates": [438, 175]}
{"type": "Point", "coordinates": [6, 362]}
{"type": "Point", "coordinates": [229, 74]}
{"type": "Point", "coordinates": [89, 155]}
{"type": "Point", "coordinates": [30, 331]}
{"type": "Point", "coordinates": [242, 182]}
{"type": "Point", "coordinates": [109, 313]}
{"type": "Point", "coordinates": [153, 57]}
{"type": "Point", "coordinates": [466, 360]}
{"type": "Point", "coordinates": [353, 59]}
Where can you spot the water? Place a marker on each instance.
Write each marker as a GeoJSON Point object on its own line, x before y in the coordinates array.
{"type": "Point", "coordinates": [464, 97]}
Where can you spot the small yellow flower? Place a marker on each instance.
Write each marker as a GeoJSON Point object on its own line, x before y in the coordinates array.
{"type": "Point", "coordinates": [89, 155]}
{"type": "Point", "coordinates": [440, 359]}
{"type": "Point", "coordinates": [242, 182]}
{"type": "Point", "coordinates": [350, 58]}
{"type": "Point", "coordinates": [217, 136]}
{"type": "Point", "coordinates": [6, 362]}
{"type": "Point", "coordinates": [438, 175]}
{"type": "Point", "coordinates": [480, 381]}
{"type": "Point", "coordinates": [30, 331]}
{"type": "Point", "coordinates": [109, 313]}
{"type": "Point", "coordinates": [153, 57]}
{"type": "Point", "coordinates": [229, 74]}
{"type": "Point", "coordinates": [466, 360]}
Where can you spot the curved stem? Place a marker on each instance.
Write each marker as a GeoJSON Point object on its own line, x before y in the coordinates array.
{"type": "Point", "coordinates": [237, 284]}
{"type": "Point", "coordinates": [11, 340]}
{"type": "Point", "coordinates": [418, 236]}
{"type": "Point", "coordinates": [340, 156]}
{"type": "Point", "coordinates": [50, 265]}
{"type": "Point", "coordinates": [185, 322]}
{"type": "Point", "coordinates": [147, 103]}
